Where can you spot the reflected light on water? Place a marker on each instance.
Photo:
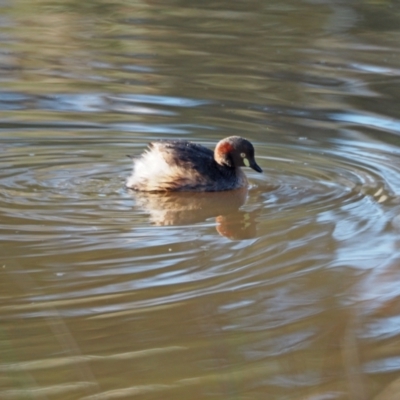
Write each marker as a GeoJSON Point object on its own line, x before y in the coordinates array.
{"type": "Point", "coordinates": [287, 290]}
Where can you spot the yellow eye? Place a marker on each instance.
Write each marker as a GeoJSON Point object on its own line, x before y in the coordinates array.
{"type": "Point", "coordinates": [243, 155]}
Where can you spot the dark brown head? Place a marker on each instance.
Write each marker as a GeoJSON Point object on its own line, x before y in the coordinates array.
{"type": "Point", "coordinates": [234, 151]}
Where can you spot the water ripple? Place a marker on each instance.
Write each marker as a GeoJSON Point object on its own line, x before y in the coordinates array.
{"type": "Point", "coordinates": [63, 201]}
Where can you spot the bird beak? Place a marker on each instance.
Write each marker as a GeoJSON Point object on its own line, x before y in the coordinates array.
{"type": "Point", "coordinates": [255, 166]}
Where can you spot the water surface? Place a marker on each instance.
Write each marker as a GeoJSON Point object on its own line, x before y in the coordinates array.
{"type": "Point", "coordinates": [286, 291]}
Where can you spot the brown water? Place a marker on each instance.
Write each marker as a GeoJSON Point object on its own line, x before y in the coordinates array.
{"type": "Point", "coordinates": [289, 291]}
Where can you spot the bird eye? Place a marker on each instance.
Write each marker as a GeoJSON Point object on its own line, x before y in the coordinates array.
{"type": "Point", "coordinates": [243, 155]}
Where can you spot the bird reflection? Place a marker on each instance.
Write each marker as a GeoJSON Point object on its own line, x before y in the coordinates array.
{"type": "Point", "coordinates": [179, 208]}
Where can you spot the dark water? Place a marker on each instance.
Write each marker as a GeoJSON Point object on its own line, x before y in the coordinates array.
{"type": "Point", "coordinates": [287, 291]}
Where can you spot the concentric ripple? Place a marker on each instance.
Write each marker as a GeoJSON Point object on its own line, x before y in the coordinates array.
{"type": "Point", "coordinates": [330, 178]}
{"type": "Point", "coordinates": [54, 191]}
{"type": "Point", "coordinates": [56, 185]}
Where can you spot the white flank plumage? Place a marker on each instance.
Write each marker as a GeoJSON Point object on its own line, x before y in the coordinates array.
{"type": "Point", "coordinates": [152, 171]}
